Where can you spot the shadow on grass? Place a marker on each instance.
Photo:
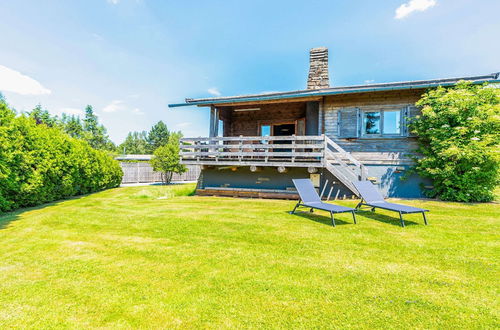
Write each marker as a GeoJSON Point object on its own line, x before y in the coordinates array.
{"type": "Point", "coordinates": [392, 220]}
{"type": "Point", "coordinates": [323, 219]}
{"type": "Point", "coordinates": [9, 217]}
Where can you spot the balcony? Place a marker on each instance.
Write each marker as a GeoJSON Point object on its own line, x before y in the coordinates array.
{"type": "Point", "coordinates": [288, 151]}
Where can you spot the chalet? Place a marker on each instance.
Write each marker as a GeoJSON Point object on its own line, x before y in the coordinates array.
{"type": "Point", "coordinates": [334, 135]}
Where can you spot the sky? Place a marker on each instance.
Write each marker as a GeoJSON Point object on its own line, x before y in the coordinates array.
{"type": "Point", "coordinates": [129, 59]}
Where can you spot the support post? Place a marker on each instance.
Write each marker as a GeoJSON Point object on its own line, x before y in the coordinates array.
{"type": "Point", "coordinates": [333, 219]}
{"type": "Point", "coordinates": [401, 219]}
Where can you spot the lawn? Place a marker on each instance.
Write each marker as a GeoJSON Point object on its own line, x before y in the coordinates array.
{"type": "Point", "coordinates": [154, 257]}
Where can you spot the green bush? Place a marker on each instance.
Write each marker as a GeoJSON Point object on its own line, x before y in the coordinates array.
{"type": "Point", "coordinates": [40, 164]}
{"type": "Point", "coordinates": [459, 139]}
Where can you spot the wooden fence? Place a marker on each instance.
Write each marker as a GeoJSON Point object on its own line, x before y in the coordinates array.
{"type": "Point", "coordinates": [142, 172]}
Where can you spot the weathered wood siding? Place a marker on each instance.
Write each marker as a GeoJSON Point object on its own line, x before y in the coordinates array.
{"type": "Point", "coordinates": [386, 150]}
{"type": "Point", "coordinates": [247, 123]}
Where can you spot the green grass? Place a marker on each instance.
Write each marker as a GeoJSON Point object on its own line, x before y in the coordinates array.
{"type": "Point", "coordinates": [149, 257]}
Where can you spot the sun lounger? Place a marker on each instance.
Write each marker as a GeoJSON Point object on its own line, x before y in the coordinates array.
{"type": "Point", "coordinates": [309, 198]}
{"type": "Point", "coordinates": [371, 197]}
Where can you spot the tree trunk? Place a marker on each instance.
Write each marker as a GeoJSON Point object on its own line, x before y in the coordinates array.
{"type": "Point", "coordinates": [168, 177]}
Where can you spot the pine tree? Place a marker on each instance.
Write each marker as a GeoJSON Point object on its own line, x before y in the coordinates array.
{"type": "Point", "coordinates": [96, 133]}
{"type": "Point", "coordinates": [158, 136]}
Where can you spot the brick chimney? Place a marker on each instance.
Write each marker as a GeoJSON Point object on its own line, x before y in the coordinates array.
{"type": "Point", "coordinates": [318, 69]}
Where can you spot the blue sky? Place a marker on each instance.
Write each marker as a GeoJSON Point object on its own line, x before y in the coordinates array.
{"type": "Point", "coordinates": [130, 58]}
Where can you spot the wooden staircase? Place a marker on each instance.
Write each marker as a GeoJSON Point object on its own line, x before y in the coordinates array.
{"type": "Point", "coordinates": [343, 165]}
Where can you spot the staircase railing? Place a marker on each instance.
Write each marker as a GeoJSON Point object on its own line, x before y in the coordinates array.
{"type": "Point", "coordinates": [343, 165]}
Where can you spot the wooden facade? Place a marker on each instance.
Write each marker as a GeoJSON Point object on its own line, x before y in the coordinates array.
{"type": "Point", "coordinates": [330, 141]}
{"type": "Point", "coordinates": [334, 135]}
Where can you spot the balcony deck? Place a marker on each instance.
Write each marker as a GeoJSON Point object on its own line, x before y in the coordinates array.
{"type": "Point", "coordinates": [289, 151]}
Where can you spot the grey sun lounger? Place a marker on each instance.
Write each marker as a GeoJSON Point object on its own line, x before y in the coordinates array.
{"type": "Point", "coordinates": [309, 198]}
{"type": "Point", "coordinates": [371, 197]}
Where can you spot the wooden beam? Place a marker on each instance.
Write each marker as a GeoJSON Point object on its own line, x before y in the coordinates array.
{"type": "Point", "coordinates": [277, 101]}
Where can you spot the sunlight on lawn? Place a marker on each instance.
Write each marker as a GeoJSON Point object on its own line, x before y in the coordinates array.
{"type": "Point", "coordinates": [155, 257]}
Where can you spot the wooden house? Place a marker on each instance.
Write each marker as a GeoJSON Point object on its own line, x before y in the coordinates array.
{"type": "Point", "coordinates": [334, 135]}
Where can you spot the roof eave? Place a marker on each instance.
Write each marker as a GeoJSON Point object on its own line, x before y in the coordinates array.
{"type": "Point", "coordinates": [302, 94]}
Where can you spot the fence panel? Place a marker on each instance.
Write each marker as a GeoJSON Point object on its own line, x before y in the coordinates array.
{"type": "Point", "coordinates": [142, 172]}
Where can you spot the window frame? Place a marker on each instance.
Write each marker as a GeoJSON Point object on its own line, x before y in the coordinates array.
{"type": "Point", "coordinates": [381, 124]}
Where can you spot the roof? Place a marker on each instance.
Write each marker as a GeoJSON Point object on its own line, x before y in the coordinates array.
{"type": "Point", "coordinates": [417, 84]}
{"type": "Point", "coordinates": [134, 157]}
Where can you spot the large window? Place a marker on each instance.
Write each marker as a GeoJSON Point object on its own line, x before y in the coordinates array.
{"type": "Point", "coordinates": [380, 123]}
{"type": "Point", "coordinates": [220, 128]}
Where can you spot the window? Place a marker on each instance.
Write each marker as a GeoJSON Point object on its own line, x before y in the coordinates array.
{"type": "Point", "coordinates": [265, 130]}
{"type": "Point", "coordinates": [220, 128]}
{"type": "Point", "coordinates": [371, 123]}
{"type": "Point", "coordinates": [381, 123]}
{"type": "Point", "coordinates": [392, 122]}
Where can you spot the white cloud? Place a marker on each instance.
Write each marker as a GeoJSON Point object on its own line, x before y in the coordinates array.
{"type": "Point", "coordinates": [114, 2]}
{"type": "Point", "coordinates": [114, 106]}
{"type": "Point", "coordinates": [70, 111]}
{"type": "Point", "coordinates": [369, 81]}
{"type": "Point", "coordinates": [138, 112]}
{"type": "Point", "coordinates": [16, 82]}
{"type": "Point", "coordinates": [214, 91]}
{"type": "Point", "coordinates": [413, 5]}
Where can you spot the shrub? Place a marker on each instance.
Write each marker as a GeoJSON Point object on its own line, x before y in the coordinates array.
{"type": "Point", "coordinates": [166, 159]}
{"type": "Point", "coordinates": [40, 164]}
{"type": "Point", "coordinates": [459, 137]}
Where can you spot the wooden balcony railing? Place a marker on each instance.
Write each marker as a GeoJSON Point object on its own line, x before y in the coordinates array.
{"type": "Point", "coordinates": [290, 151]}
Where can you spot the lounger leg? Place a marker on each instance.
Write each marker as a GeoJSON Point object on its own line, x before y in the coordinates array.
{"type": "Point", "coordinates": [311, 210]}
{"type": "Point", "coordinates": [333, 220]}
{"type": "Point", "coordinates": [354, 217]}
{"type": "Point", "coordinates": [425, 219]}
{"type": "Point", "coordinates": [401, 219]}
{"type": "Point", "coordinates": [295, 208]}
{"type": "Point", "coordinates": [359, 205]}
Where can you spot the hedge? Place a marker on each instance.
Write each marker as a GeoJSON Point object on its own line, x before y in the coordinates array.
{"type": "Point", "coordinates": [39, 164]}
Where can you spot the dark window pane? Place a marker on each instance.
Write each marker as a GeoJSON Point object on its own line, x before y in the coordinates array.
{"type": "Point", "coordinates": [371, 123]}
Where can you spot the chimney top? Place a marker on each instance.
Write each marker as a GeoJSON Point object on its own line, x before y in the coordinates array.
{"type": "Point", "coordinates": [318, 69]}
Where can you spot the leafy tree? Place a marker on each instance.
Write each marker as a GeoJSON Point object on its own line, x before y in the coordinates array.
{"type": "Point", "coordinates": [158, 136]}
{"type": "Point", "coordinates": [39, 164]}
{"type": "Point", "coordinates": [166, 160]}
{"type": "Point", "coordinates": [96, 136]}
{"type": "Point", "coordinates": [135, 143]}
{"type": "Point", "coordinates": [459, 139]}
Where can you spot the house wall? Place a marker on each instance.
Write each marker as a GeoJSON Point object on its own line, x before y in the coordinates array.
{"type": "Point", "coordinates": [268, 178]}
{"type": "Point", "coordinates": [387, 159]}
{"type": "Point", "coordinates": [394, 150]}
{"type": "Point", "coordinates": [247, 123]}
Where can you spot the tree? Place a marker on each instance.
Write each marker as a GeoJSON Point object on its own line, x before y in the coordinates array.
{"type": "Point", "coordinates": [166, 159]}
{"type": "Point", "coordinates": [42, 116]}
{"type": "Point", "coordinates": [459, 139]}
{"type": "Point", "coordinates": [39, 164]}
{"type": "Point", "coordinates": [96, 136]}
{"type": "Point", "coordinates": [158, 136]}
{"type": "Point", "coordinates": [73, 126]}
{"type": "Point", "coordinates": [135, 143]}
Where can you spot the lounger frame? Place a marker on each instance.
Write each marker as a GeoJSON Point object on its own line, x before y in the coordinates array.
{"type": "Point", "coordinates": [307, 192]}
{"type": "Point", "coordinates": [311, 207]}
{"type": "Point", "coordinates": [380, 205]}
